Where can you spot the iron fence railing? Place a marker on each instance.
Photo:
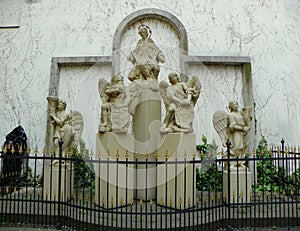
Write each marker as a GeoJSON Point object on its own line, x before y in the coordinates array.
{"type": "Point", "coordinates": [86, 192]}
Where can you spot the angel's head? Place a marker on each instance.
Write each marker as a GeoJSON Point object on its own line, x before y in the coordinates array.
{"type": "Point", "coordinates": [144, 31]}
{"type": "Point", "coordinates": [117, 79]}
{"type": "Point", "coordinates": [61, 105]}
{"type": "Point", "coordinates": [173, 78]}
{"type": "Point", "coordinates": [233, 105]}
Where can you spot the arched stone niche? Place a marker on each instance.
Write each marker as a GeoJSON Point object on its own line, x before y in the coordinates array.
{"type": "Point", "coordinates": [167, 32]}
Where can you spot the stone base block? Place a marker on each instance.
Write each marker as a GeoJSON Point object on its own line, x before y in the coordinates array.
{"type": "Point", "coordinates": [146, 122]}
{"type": "Point", "coordinates": [237, 184]}
{"type": "Point", "coordinates": [114, 181]}
{"type": "Point", "coordinates": [145, 181]}
{"type": "Point", "coordinates": [51, 182]}
{"type": "Point", "coordinates": [176, 186]}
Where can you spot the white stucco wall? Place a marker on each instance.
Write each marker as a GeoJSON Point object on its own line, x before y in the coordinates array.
{"type": "Point", "coordinates": [266, 30]}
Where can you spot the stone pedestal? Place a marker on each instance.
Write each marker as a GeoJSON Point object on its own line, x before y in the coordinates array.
{"type": "Point", "coordinates": [145, 178]}
{"type": "Point", "coordinates": [113, 180]}
{"type": "Point", "coordinates": [176, 186]}
{"type": "Point", "coordinates": [237, 184]}
{"type": "Point", "coordinates": [51, 182]}
{"type": "Point", "coordinates": [145, 125]}
{"type": "Point", "coordinates": [146, 118]}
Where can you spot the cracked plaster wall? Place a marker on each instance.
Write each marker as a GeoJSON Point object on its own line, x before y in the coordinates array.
{"type": "Point", "coordinates": [266, 30]}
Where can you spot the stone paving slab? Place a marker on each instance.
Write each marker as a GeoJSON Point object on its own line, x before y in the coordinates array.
{"type": "Point", "coordinates": [24, 229]}
{"type": "Point", "coordinates": [269, 229]}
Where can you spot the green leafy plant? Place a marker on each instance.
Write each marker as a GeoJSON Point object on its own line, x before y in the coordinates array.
{"type": "Point", "coordinates": [295, 177]}
{"type": "Point", "coordinates": [208, 178]}
{"type": "Point", "coordinates": [267, 175]}
{"type": "Point", "coordinates": [26, 179]}
{"type": "Point", "coordinates": [211, 180]}
{"type": "Point", "coordinates": [30, 179]}
{"type": "Point", "coordinates": [270, 177]}
{"type": "Point", "coordinates": [206, 149]}
{"type": "Point", "coordinates": [84, 175]}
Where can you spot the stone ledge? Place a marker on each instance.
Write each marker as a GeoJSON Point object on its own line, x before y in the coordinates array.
{"type": "Point", "coordinates": [84, 60]}
{"type": "Point", "coordinates": [223, 60]}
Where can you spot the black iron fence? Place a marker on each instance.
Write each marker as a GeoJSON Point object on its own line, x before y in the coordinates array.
{"type": "Point", "coordinates": [80, 191]}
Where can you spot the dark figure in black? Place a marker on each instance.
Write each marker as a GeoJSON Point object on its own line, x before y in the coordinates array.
{"type": "Point", "coordinates": [14, 167]}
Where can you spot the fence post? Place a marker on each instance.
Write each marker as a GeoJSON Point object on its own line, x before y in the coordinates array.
{"type": "Point", "coordinates": [228, 144]}
{"type": "Point", "coordinates": [282, 146]}
{"type": "Point", "coordinates": [58, 224]}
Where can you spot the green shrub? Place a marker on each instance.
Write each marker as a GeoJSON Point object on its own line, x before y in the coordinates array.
{"type": "Point", "coordinates": [267, 175]}
{"type": "Point", "coordinates": [208, 178]}
{"type": "Point", "coordinates": [270, 177]}
{"type": "Point", "coordinates": [211, 180]}
{"type": "Point", "coordinates": [84, 175]}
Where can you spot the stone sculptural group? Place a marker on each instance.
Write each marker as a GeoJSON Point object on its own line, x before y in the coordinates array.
{"type": "Point", "coordinates": [179, 97]}
{"type": "Point", "coordinates": [119, 102]}
{"type": "Point", "coordinates": [145, 57]}
{"type": "Point", "coordinates": [66, 127]}
{"type": "Point", "coordinates": [234, 127]}
{"type": "Point", "coordinates": [114, 103]}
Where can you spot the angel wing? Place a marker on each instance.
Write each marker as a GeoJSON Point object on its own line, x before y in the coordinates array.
{"type": "Point", "coordinates": [220, 122]}
{"type": "Point", "coordinates": [195, 85]}
{"type": "Point", "coordinates": [163, 86]}
{"type": "Point", "coordinates": [102, 85]}
{"type": "Point", "coordinates": [77, 123]}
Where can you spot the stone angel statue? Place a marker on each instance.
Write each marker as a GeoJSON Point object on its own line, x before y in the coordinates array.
{"type": "Point", "coordinates": [234, 127]}
{"type": "Point", "coordinates": [114, 110]}
{"type": "Point", "coordinates": [179, 99]}
{"type": "Point", "coordinates": [67, 127]}
{"type": "Point", "coordinates": [145, 57]}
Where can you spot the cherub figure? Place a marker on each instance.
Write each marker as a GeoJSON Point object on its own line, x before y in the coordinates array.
{"type": "Point", "coordinates": [114, 112]}
{"type": "Point", "coordinates": [234, 127]}
{"type": "Point", "coordinates": [180, 99]}
{"type": "Point", "coordinates": [105, 122]}
{"type": "Point", "coordinates": [67, 127]}
{"type": "Point", "coordinates": [145, 57]}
